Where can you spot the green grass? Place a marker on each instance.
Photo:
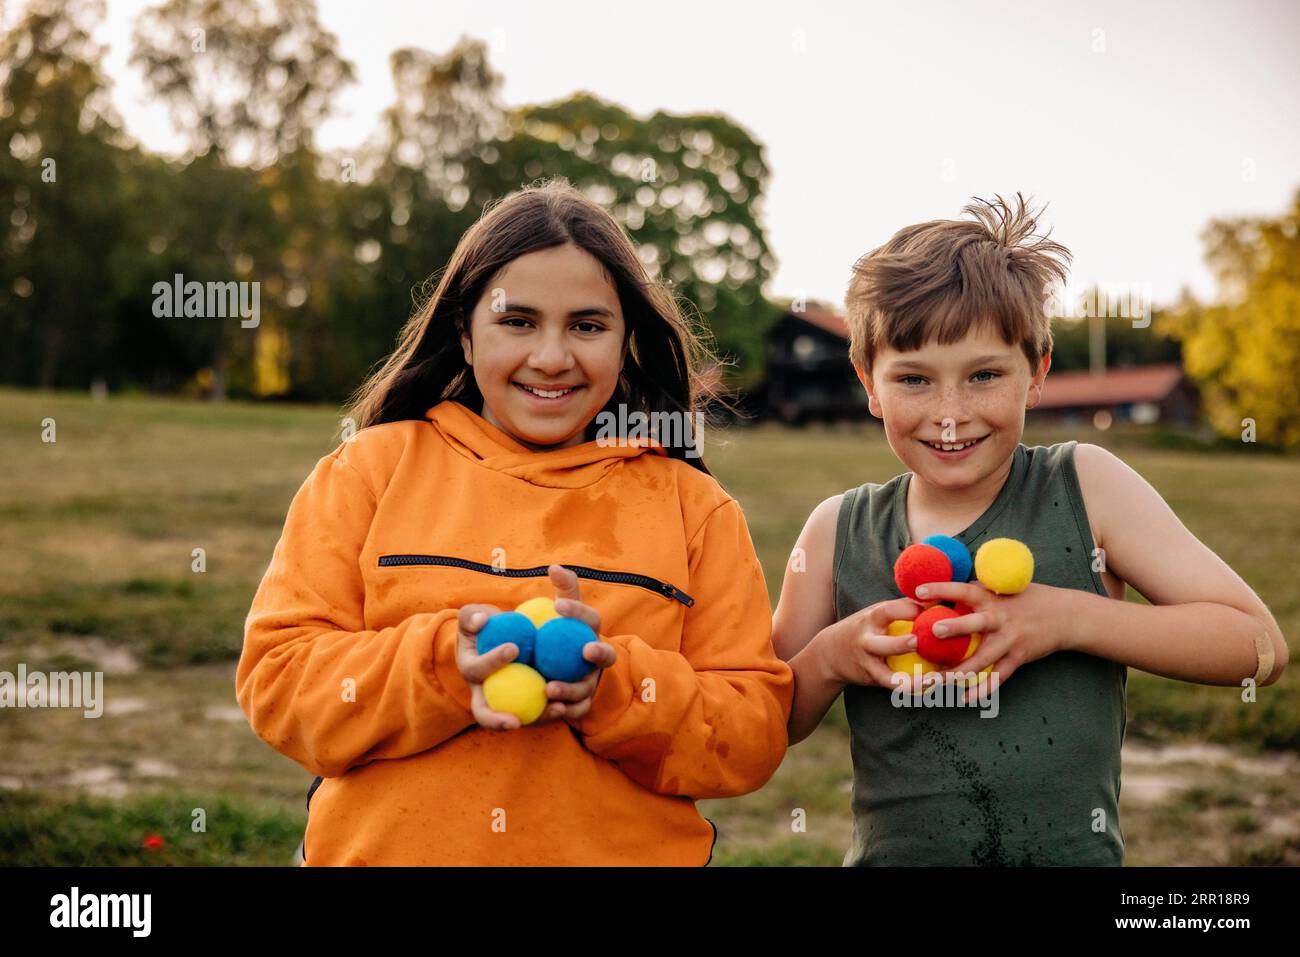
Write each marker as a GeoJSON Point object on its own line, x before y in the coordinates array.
{"type": "Point", "coordinates": [97, 534]}
{"type": "Point", "coordinates": [40, 830]}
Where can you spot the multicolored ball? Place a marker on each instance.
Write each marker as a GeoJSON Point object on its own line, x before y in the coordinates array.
{"type": "Point", "coordinates": [516, 689]}
{"type": "Point", "coordinates": [508, 627]}
{"type": "Point", "coordinates": [918, 565]}
{"type": "Point", "coordinates": [944, 652]}
{"type": "Point", "coordinates": [558, 652]}
{"type": "Point", "coordinates": [958, 554]}
{"type": "Point", "coordinates": [911, 664]}
{"type": "Point", "coordinates": [1004, 566]}
{"type": "Point", "coordinates": [538, 610]}
{"type": "Point", "coordinates": [986, 670]}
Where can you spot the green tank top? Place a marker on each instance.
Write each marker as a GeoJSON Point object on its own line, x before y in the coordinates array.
{"type": "Point", "coordinates": [1039, 783]}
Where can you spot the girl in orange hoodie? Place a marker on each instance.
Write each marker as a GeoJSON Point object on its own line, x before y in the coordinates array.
{"type": "Point", "coordinates": [500, 456]}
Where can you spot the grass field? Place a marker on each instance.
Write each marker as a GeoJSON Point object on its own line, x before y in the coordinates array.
{"type": "Point", "coordinates": [98, 536]}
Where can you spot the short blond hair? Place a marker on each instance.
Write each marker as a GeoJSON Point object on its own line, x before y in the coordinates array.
{"type": "Point", "coordinates": [937, 280]}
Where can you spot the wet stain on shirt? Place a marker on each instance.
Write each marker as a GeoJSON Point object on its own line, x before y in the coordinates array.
{"type": "Point", "coordinates": [988, 851]}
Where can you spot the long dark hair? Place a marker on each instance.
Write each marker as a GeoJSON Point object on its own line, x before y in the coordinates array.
{"type": "Point", "coordinates": [665, 365]}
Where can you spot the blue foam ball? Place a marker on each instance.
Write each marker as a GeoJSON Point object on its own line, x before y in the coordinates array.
{"type": "Point", "coordinates": [958, 554]}
{"type": "Point", "coordinates": [559, 649]}
{"type": "Point", "coordinates": [511, 627]}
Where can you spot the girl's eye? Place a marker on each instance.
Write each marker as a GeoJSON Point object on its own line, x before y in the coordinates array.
{"type": "Point", "coordinates": [988, 372]}
{"type": "Point", "coordinates": [587, 326]}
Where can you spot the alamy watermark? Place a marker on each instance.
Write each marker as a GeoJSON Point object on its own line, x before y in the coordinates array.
{"type": "Point", "coordinates": [938, 693]}
{"type": "Point", "coordinates": [57, 689]}
{"type": "Point", "coordinates": [75, 909]}
{"type": "Point", "coordinates": [1132, 302]}
{"type": "Point", "coordinates": [684, 430]}
{"type": "Point", "coordinates": [214, 300]}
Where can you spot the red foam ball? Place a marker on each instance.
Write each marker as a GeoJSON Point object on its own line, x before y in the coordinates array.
{"type": "Point", "coordinates": [918, 565]}
{"type": "Point", "coordinates": [944, 652]}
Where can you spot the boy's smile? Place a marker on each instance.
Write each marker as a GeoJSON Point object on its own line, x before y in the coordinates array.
{"type": "Point", "coordinates": [546, 346]}
{"type": "Point", "coordinates": [955, 413]}
{"type": "Point", "coordinates": [953, 450]}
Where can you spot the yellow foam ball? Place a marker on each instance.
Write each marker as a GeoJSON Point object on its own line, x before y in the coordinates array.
{"type": "Point", "coordinates": [912, 665]}
{"type": "Point", "coordinates": [516, 689]}
{"type": "Point", "coordinates": [538, 610]}
{"type": "Point", "coordinates": [909, 662]}
{"type": "Point", "coordinates": [970, 650]}
{"type": "Point", "coordinates": [1004, 566]}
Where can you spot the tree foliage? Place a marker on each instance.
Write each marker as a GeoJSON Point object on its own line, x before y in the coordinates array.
{"type": "Point", "coordinates": [1244, 349]}
{"type": "Point", "coordinates": [342, 247]}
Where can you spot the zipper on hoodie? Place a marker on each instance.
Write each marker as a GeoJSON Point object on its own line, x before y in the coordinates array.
{"type": "Point", "coordinates": [582, 571]}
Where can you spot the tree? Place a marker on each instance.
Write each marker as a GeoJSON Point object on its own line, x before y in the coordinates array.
{"type": "Point", "coordinates": [59, 176]}
{"type": "Point", "coordinates": [1244, 350]}
{"type": "Point", "coordinates": [687, 188]}
{"type": "Point", "coordinates": [446, 110]}
{"type": "Point", "coordinates": [248, 82]}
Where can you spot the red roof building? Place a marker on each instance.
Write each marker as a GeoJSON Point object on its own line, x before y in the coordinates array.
{"type": "Point", "coordinates": [1142, 394]}
{"type": "Point", "coordinates": [809, 376]}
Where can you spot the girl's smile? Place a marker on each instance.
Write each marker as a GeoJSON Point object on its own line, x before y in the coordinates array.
{"type": "Point", "coordinates": [546, 344]}
{"type": "Point", "coordinates": [547, 393]}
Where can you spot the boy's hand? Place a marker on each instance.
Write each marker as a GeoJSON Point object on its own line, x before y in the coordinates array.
{"type": "Point", "coordinates": [476, 669]}
{"type": "Point", "coordinates": [854, 649]}
{"type": "Point", "coordinates": [573, 700]}
{"type": "Point", "coordinates": [1014, 629]}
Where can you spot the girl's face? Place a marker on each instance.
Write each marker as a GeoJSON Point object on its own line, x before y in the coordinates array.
{"type": "Point", "coordinates": [970, 395]}
{"type": "Point", "coordinates": [546, 345]}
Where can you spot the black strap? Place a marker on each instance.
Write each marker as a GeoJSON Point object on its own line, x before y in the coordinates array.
{"type": "Point", "coordinates": [312, 790]}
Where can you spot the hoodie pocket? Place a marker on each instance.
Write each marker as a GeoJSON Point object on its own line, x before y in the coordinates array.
{"type": "Point", "coordinates": [582, 571]}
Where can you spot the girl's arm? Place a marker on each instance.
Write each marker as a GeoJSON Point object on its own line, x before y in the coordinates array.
{"type": "Point", "coordinates": [708, 721]}
{"type": "Point", "coordinates": [317, 685]}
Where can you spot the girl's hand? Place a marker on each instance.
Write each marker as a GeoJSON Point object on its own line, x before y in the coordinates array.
{"type": "Point", "coordinates": [854, 649]}
{"type": "Point", "coordinates": [476, 669]}
{"type": "Point", "coordinates": [574, 699]}
{"type": "Point", "coordinates": [1014, 629]}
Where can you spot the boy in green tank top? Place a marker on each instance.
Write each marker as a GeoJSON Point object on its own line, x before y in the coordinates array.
{"type": "Point", "coordinates": [950, 337]}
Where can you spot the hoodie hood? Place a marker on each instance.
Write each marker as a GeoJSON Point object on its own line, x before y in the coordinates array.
{"type": "Point", "coordinates": [469, 434]}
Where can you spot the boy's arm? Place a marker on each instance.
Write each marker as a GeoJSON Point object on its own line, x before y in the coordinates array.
{"type": "Point", "coordinates": [803, 613]}
{"type": "Point", "coordinates": [1203, 623]}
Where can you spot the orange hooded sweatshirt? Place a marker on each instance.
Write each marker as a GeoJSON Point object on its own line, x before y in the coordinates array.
{"type": "Point", "coordinates": [349, 659]}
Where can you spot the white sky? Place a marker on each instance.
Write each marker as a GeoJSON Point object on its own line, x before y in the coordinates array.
{"type": "Point", "coordinates": [877, 115]}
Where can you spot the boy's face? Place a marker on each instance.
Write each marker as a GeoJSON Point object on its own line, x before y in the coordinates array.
{"type": "Point", "coordinates": [970, 395]}
{"type": "Point", "coordinates": [550, 322]}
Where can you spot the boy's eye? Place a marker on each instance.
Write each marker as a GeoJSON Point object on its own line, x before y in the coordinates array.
{"type": "Point", "coordinates": [511, 319]}
{"type": "Point", "coordinates": [911, 380]}
{"type": "Point", "coordinates": [986, 372]}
